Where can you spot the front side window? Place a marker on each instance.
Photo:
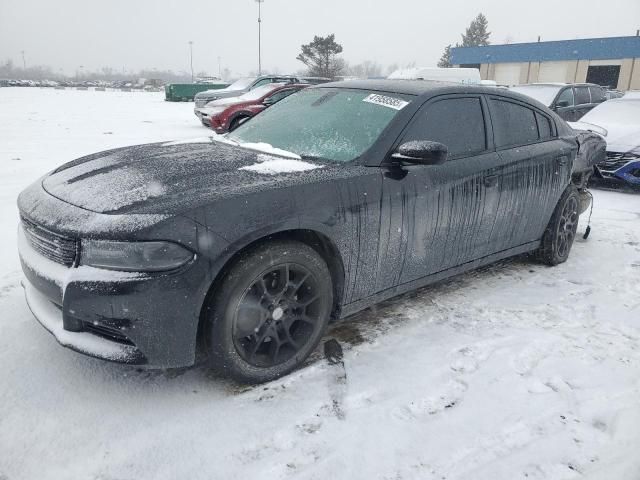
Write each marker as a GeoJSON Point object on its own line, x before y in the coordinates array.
{"type": "Point", "coordinates": [513, 124]}
{"type": "Point", "coordinates": [565, 96]}
{"type": "Point", "coordinates": [582, 96]}
{"type": "Point", "coordinates": [457, 123]}
{"type": "Point", "coordinates": [336, 124]}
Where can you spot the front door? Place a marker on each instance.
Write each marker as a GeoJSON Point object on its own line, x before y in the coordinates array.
{"type": "Point", "coordinates": [438, 216]}
{"type": "Point", "coordinates": [565, 105]}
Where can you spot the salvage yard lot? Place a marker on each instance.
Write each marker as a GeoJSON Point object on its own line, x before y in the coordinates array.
{"type": "Point", "coordinates": [514, 371]}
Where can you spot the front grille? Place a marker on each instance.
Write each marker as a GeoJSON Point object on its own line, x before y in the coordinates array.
{"type": "Point", "coordinates": [201, 103]}
{"type": "Point", "coordinates": [616, 161]}
{"type": "Point", "coordinates": [55, 247]}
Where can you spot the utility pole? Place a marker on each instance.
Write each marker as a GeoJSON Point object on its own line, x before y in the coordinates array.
{"type": "Point", "coordinates": [259, 2]}
{"type": "Point", "coordinates": [24, 62]}
{"type": "Point", "coordinates": [191, 57]}
{"type": "Point", "coordinates": [219, 67]}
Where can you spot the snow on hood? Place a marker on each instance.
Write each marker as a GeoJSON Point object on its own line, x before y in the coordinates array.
{"type": "Point", "coordinates": [281, 165]}
{"type": "Point", "coordinates": [621, 119]}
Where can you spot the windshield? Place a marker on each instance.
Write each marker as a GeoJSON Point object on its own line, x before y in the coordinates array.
{"type": "Point", "coordinates": [332, 124]}
{"type": "Point", "coordinates": [545, 94]}
{"type": "Point", "coordinates": [241, 83]}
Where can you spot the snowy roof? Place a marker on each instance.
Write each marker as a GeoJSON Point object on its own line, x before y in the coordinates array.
{"type": "Point", "coordinates": [585, 49]}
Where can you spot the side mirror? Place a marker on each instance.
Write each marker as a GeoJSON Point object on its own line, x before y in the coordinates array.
{"type": "Point", "coordinates": [562, 104]}
{"type": "Point", "coordinates": [422, 152]}
{"type": "Point", "coordinates": [268, 101]}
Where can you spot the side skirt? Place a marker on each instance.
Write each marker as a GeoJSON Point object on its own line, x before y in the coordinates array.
{"type": "Point", "coordinates": [359, 305]}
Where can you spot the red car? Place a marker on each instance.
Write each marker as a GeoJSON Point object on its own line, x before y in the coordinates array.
{"type": "Point", "coordinates": [226, 114]}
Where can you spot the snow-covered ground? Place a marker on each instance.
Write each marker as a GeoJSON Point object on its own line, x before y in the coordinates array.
{"type": "Point", "coordinates": [514, 371]}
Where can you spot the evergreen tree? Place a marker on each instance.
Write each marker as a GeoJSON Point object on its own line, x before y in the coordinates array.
{"type": "Point", "coordinates": [321, 57]}
{"type": "Point", "coordinates": [476, 34]}
{"type": "Point", "coordinates": [445, 59]}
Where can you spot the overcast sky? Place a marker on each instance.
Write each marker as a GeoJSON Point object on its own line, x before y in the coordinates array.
{"type": "Point", "coordinates": [135, 34]}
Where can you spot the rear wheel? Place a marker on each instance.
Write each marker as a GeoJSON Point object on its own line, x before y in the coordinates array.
{"type": "Point", "coordinates": [270, 312]}
{"type": "Point", "coordinates": [561, 232]}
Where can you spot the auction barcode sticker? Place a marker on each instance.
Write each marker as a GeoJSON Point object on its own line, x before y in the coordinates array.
{"type": "Point", "coordinates": [385, 101]}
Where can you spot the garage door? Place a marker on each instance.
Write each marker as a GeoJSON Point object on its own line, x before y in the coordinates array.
{"type": "Point", "coordinates": [508, 74]}
{"type": "Point", "coordinates": [552, 72]}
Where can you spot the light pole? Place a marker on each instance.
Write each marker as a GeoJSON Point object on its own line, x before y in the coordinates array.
{"type": "Point", "coordinates": [24, 62]}
{"type": "Point", "coordinates": [191, 57]}
{"type": "Point", "coordinates": [259, 2]}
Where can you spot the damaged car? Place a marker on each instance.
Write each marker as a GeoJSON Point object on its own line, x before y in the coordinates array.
{"type": "Point", "coordinates": [241, 248]}
{"type": "Point", "coordinates": [619, 121]}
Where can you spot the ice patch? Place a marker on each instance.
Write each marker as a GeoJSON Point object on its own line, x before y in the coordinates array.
{"type": "Point", "coordinates": [280, 165]}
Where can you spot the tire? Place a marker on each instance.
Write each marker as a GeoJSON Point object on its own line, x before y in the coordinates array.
{"type": "Point", "coordinates": [561, 231]}
{"type": "Point", "coordinates": [270, 312]}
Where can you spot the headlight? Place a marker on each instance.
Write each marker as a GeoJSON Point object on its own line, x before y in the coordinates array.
{"type": "Point", "coordinates": [134, 256]}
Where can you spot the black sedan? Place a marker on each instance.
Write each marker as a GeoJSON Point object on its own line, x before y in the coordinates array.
{"type": "Point", "coordinates": [244, 247]}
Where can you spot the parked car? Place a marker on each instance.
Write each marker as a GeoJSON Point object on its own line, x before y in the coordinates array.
{"type": "Point", "coordinates": [570, 101]}
{"type": "Point", "coordinates": [620, 118]}
{"type": "Point", "coordinates": [244, 246]}
{"type": "Point", "coordinates": [239, 87]}
{"type": "Point", "coordinates": [611, 94]}
{"type": "Point", "coordinates": [227, 114]}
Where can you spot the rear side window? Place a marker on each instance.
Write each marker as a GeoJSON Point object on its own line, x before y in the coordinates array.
{"type": "Point", "coordinates": [582, 95]}
{"type": "Point", "coordinates": [457, 123]}
{"type": "Point", "coordinates": [566, 96]}
{"type": "Point", "coordinates": [597, 94]}
{"type": "Point", "coordinates": [544, 126]}
{"type": "Point", "coordinates": [513, 124]}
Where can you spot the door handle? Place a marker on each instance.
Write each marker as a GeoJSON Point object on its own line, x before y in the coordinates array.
{"type": "Point", "coordinates": [490, 181]}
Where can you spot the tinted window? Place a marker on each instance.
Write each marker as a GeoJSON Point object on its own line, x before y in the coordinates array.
{"type": "Point", "coordinates": [582, 95]}
{"type": "Point", "coordinates": [566, 96]}
{"type": "Point", "coordinates": [457, 123]}
{"type": "Point", "coordinates": [597, 94]}
{"type": "Point", "coordinates": [544, 126]}
{"type": "Point", "coordinates": [513, 124]}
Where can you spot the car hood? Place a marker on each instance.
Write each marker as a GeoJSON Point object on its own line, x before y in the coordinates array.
{"type": "Point", "coordinates": [171, 178]}
{"type": "Point", "coordinates": [621, 137]}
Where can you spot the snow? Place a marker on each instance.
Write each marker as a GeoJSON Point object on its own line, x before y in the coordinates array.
{"type": "Point", "coordinates": [514, 371]}
{"type": "Point", "coordinates": [281, 165]}
{"type": "Point", "coordinates": [267, 148]}
{"type": "Point", "coordinates": [621, 118]}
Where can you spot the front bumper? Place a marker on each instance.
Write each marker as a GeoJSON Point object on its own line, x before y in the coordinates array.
{"type": "Point", "coordinates": [127, 317]}
{"type": "Point", "coordinates": [621, 166]}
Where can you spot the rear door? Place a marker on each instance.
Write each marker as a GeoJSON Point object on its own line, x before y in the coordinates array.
{"type": "Point", "coordinates": [535, 167]}
{"type": "Point", "coordinates": [439, 216]}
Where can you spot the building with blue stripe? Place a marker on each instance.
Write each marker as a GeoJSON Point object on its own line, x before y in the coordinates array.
{"type": "Point", "coordinates": [612, 62]}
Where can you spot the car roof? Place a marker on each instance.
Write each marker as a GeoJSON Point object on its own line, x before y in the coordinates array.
{"type": "Point", "coordinates": [423, 88]}
{"type": "Point", "coordinates": [556, 84]}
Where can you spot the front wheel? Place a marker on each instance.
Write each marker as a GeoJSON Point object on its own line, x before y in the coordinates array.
{"type": "Point", "coordinates": [561, 232]}
{"type": "Point", "coordinates": [270, 312]}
